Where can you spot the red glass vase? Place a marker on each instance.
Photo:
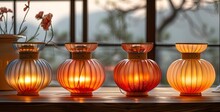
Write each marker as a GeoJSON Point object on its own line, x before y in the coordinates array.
{"type": "Point", "coordinates": [81, 75]}
{"type": "Point", "coordinates": [137, 75]}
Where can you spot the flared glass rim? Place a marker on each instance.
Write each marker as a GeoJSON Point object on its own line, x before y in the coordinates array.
{"type": "Point", "coordinates": [29, 43]}
{"type": "Point", "coordinates": [191, 47]}
{"type": "Point", "coordinates": [38, 45]}
{"type": "Point", "coordinates": [191, 44]}
{"type": "Point", "coordinates": [72, 46]}
{"type": "Point", "coordinates": [144, 47]}
{"type": "Point", "coordinates": [81, 43]}
{"type": "Point", "coordinates": [146, 43]}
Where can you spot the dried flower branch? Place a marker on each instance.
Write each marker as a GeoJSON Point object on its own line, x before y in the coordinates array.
{"type": "Point", "coordinates": [4, 19]}
{"type": "Point", "coordinates": [46, 24]}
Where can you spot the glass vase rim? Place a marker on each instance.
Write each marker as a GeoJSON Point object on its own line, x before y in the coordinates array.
{"type": "Point", "coordinates": [192, 43]}
{"type": "Point", "coordinates": [151, 43]}
{"type": "Point", "coordinates": [11, 36]}
{"type": "Point", "coordinates": [29, 43]}
{"type": "Point", "coordinates": [81, 43]}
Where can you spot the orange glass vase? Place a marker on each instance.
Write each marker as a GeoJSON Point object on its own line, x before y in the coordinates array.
{"type": "Point", "coordinates": [137, 75]}
{"type": "Point", "coordinates": [191, 75]}
{"type": "Point", "coordinates": [81, 75]}
{"type": "Point", "coordinates": [28, 74]}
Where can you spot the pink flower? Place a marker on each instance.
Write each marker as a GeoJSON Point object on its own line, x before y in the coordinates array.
{"type": "Point", "coordinates": [46, 21]}
{"type": "Point", "coordinates": [27, 5]}
{"type": "Point", "coordinates": [3, 10]}
{"type": "Point", "coordinates": [39, 15]}
{"type": "Point", "coordinates": [9, 10]}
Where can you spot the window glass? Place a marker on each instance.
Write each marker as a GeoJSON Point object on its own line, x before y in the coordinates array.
{"type": "Point", "coordinates": [187, 21]}
{"type": "Point", "coordinates": [109, 57]}
{"type": "Point", "coordinates": [60, 20]}
{"type": "Point", "coordinates": [9, 5]}
{"type": "Point", "coordinates": [78, 21]}
{"type": "Point", "coordinates": [54, 56]}
{"type": "Point", "coordinates": [167, 55]}
{"type": "Point", "coordinates": [117, 21]}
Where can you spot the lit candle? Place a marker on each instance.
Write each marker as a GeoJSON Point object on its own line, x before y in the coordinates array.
{"type": "Point", "coordinates": [27, 80]}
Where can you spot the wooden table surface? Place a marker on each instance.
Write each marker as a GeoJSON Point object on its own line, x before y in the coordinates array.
{"type": "Point", "coordinates": [108, 99]}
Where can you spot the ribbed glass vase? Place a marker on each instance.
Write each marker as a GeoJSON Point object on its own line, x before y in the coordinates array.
{"type": "Point", "coordinates": [191, 75]}
{"type": "Point", "coordinates": [81, 75]}
{"type": "Point", "coordinates": [28, 74]}
{"type": "Point", "coordinates": [137, 75]}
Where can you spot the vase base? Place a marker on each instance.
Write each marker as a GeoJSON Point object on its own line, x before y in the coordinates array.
{"type": "Point", "coordinates": [190, 94]}
{"type": "Point", "coordinates": [28, 94]}
{"type": "Point", "coordinates": [81, 94]}
{"type": "Point", "coordinates": [136, 94]}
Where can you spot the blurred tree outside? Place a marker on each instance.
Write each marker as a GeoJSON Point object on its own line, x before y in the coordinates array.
{"type": "Point", "coordinates": [116, 22]}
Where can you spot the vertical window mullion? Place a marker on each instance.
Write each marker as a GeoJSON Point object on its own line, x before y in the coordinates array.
{"type": "Point", "coordinates": [151, 25]}
{"type": "Point", "coordinates": [72, 21]}
{"type": "Point", "coordinates": [85, 21]}
{"type": "Point", "coordinates": [14, 8]}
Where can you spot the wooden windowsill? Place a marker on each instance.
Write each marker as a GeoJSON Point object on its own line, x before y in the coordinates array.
{"type": "Point", "coordinates": [57, 98]}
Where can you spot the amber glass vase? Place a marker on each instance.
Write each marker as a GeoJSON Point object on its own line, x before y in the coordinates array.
{"type": "Point", "coordinates": [81, 75]}
{"type": "Point", "coordinates": [137, 75]}
{"type": "Point", "coordinates": [28, 74]}
{"type": "Point", "coordinates": [191, 75]}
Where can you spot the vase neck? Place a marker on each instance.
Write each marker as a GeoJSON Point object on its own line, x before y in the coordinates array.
{"type": "Point", "coordinates": [28, 55]}
{"type": "Point", "coordinates": [81, 55]}
{"type": "Point", "coordinates": [136, 55]}
{"type": "Point", "coordinates": [190, 55]}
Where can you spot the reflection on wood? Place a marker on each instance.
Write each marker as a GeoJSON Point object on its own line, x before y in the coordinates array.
{"type": "Point", "coordinates": [56, 99]}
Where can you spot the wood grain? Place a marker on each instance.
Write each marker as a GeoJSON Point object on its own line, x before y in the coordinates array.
{"type": "Point", "coordinates": [107, 99]}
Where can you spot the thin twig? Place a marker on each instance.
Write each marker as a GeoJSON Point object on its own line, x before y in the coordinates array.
{"type": "Point", "coordinates": [23, 20]}
{"type": "Point", "coordinates": [52, 35]}
{"type": "Point", "coordinates": [45, 36]}
{"type": "Point", "coordinates": [35, 34]}
{"type": "Point", "coordinates": [2, 30]}
{"type": "Point", "coordinates": [12, 24]}
{"type": "Point", "coordinates": [6, 23]}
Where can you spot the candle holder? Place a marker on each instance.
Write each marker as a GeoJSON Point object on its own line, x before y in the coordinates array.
{"type": "Point", "coordinates": [191, 75]}
{"type": "Point", "coordinates": [28, 74]}
{"type": "Point", "coordinates": [81, 75]}
{"type": "Point", "coordinates": [137, 75]}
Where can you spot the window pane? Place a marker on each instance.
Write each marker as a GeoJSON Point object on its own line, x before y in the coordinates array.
{"type": "Point", "coordinates": [109, 57]}
{"type": "Point", "coordinates": [189, 21]}
{"type": "Point", "coordinates": [9, 5]}
{"type": "Point", "coordinates": [78, 21]}
{"type": "Point", "coordinates": [117, 21]}
{"type": "Point", "coordinates": [167, 55]}
{"type": "Point", "coordinates": [54, 56]}
{"type": "Point", "coordinates": [60, 20]}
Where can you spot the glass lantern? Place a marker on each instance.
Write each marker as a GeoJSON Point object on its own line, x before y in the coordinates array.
{"type": "Point", "coordinates": [28, 74]}
{"type": "Point", "coordinates": [191, 75]}
{"type": "Point", "coordinates": [137, 75]}
{"type": "Point", "coordinates": [81, 75]}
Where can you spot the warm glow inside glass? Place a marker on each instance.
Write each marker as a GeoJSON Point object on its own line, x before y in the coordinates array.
{"type": "Point", "coordinates": [137, 75]}
{"type": "Point", "coordinates": [28, 74]}
{"type": "Point", "coordinates": [191, 75]}
{"type": "Point", "coordinates": [81, 75]}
